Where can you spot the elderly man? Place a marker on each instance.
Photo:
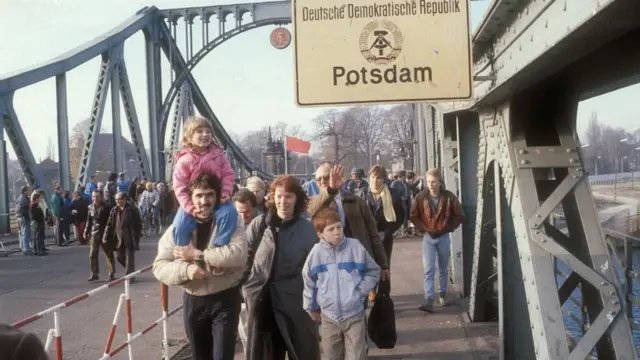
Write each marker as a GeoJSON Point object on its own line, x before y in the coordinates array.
{"type": "Point", "coordinates": [357, 219]}
{"type": "Point", "coordinates": [122, 232]}
{"type": "Point", "coordinates": [259, 189]}
{"type": "Point", "coordinates": [209, 274]}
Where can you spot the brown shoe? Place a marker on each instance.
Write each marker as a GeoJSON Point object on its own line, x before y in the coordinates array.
{"type": "Point", "coordinates": [372, 296]}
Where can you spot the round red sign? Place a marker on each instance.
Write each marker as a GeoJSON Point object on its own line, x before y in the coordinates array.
{"type": "Point", "coordinates": [280, 38]}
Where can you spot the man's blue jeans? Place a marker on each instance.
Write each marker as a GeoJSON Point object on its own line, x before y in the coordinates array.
{"type": "Point", "coordinates": [436, 249]}
{"type": "Point", "coordinates": [25, 234]}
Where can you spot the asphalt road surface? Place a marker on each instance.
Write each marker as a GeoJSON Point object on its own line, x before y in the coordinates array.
{"type": "Point", "coordinates": [31, 284]}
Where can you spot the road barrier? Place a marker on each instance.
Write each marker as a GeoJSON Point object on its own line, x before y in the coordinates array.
{"type": "Point", "coordinates": [54, 336]}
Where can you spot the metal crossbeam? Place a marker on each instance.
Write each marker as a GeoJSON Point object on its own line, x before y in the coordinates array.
{"type": "Point", "coordinates": [19, 143]}
{"type": "Point", "coordinates": [132, 121]}
{"type": "Point", "coordinates": [95, 121]}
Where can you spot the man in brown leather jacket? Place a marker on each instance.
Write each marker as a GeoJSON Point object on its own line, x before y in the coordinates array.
{"type": "Point", "coordinates": [436, 212]}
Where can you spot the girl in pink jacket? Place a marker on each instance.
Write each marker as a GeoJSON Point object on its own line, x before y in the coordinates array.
{"type": "Point", "coordinates": [199, 154]}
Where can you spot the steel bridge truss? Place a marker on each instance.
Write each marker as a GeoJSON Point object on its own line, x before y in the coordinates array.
{"type": "Point", "coordinates": [184, 95]}
{"type": "Point", "coordinates": [522, 183]}
{"type": "Point", "coordinates": [113, 72]}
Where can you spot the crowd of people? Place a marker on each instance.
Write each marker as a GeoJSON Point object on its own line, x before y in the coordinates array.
{"type": "Point", "coordinates": [297, 255]}
{"type": "Point", "coordinates": [108, 216]}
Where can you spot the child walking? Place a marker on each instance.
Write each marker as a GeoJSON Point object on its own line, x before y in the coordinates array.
{"type": "Point", "coordinates": [338, 276]}
{"type": "Point", "coordinates": [200, 155]}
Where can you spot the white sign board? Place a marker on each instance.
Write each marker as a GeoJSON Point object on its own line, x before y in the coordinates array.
{"type": "Point", "coordinates": [356, 52]}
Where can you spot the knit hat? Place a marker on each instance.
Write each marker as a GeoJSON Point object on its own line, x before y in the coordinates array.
{"type": "Point", "coordinates": [17, 345]}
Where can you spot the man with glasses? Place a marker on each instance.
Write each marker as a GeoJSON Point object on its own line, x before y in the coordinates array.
{"type": "Point", "coordinates": [123, 230]}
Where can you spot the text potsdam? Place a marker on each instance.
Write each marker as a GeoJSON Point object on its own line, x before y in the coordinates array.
{"type": "Point", "coordinates": [377, 51]}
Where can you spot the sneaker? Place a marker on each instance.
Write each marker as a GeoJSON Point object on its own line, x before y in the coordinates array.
{"type": "Point", "coordinates": [427, 306]}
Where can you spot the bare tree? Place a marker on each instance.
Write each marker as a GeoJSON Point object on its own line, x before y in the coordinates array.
{"type": "Point", "coordinates": [613, 150]}
{"type": "Point", "coordinates": [369, 132]}
{"type": "Point", "coordinates": [594, 140]}
{"type": "Point", "coordinates": [77, 139]}
{"type": "Point", "coordinates": [399, 124]}
{"type": "Point", "coordinates": [51, 149]}
{"type": "Point", "coordinates": [333, 132]}
{"type": "Point", "coordinates": [282, 129]}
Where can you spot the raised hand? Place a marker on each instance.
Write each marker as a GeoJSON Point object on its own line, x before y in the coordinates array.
{"type": "Point", "coordinates": [336, 179]}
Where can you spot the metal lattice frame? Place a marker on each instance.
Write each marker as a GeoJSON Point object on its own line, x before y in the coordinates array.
{"type": "Point", "coordinates": [95, 121]}
{"type": "Point", "coordinates": [521, 185]}
{"type": "Point", "coordinates": [132, 121]}
{"type": "Point", "coordinates": [153, 40]}
{"type": "Point", "coordinates": [113, 72]}
{"type": "Point", "coordinates": [171, 51]}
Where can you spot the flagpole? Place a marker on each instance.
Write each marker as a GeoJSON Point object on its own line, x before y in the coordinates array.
{"type": "Point", "coordinates": [286, 162]}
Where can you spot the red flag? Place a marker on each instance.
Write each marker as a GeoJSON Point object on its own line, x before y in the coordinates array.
{"type": "Point", "coordinates": [298, 145]}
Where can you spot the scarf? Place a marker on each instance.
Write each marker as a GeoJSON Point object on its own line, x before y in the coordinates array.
{"type": "Point", "coordinates": [387, 201]}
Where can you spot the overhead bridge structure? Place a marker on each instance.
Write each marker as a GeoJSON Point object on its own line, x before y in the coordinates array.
{"type": "Point", "coordinates": [511, 153]}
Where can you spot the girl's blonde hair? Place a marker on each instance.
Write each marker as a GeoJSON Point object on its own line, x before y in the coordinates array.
{"type": "Point", "coordinates": [191, 126]}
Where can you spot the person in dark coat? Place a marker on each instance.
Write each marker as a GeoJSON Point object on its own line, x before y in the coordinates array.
{"type": "Point", "coordinates": [37, 217]}
{"type": "Point", "coordinates": [97, 218]}
{"type": "Point", "coordinates": [132, 191]}
{"type": "Point", "coordinates": [387, 207]}
{"type": "Point", "coordinates": [122, 232]}
{"type": "Point", "coordinates": [278, 326]}
{"type": "Point", "coordinates": [79, 214]}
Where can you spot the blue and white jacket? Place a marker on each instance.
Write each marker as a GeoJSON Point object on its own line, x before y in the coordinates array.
{"type": "Point", "coordinates": [338, 278]}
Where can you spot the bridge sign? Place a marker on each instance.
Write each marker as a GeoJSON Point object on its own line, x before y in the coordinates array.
{"type": "Point", "coordinates": [356, 52]}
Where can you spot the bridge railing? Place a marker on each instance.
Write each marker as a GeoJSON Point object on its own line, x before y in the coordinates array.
{"type": "Point", "coordinates": [630, 269]}
{"type": "Point", "coordinates": [624, 249]}
{"type": "Point", "coordinates": [54, 335]}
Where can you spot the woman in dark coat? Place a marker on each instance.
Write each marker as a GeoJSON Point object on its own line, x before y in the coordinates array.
{"type": "Point", "coordinates": [279, 243]}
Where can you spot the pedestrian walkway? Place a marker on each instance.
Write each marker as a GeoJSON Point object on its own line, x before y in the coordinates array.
{"type": "Point", "coordinates": [444, 335]}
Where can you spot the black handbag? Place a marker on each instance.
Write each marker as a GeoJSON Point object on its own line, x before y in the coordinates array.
{"type": "Point", "coordinates": [381, 326]}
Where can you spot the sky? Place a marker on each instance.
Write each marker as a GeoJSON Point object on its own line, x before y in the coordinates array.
{"type": "Point", "coordinates": [247, 82]}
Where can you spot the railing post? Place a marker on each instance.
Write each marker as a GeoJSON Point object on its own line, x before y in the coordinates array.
{"type": "Point", "coordinates": [57, 334]}
{"type": "Point", "coordinates": [164, 298]}
{"type": "Point", "coordinates": [127, 296]}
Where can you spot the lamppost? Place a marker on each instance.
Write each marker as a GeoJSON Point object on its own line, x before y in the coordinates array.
{"type": "Point", "coordinates": [615, 177]}
{"type": "Point", "coordinates": [636, 162]}
{"type": "Point", "coordinates": [585, 146]}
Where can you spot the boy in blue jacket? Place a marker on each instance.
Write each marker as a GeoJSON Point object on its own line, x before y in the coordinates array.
{"type": "Point", "coordinates": [338, 276]}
